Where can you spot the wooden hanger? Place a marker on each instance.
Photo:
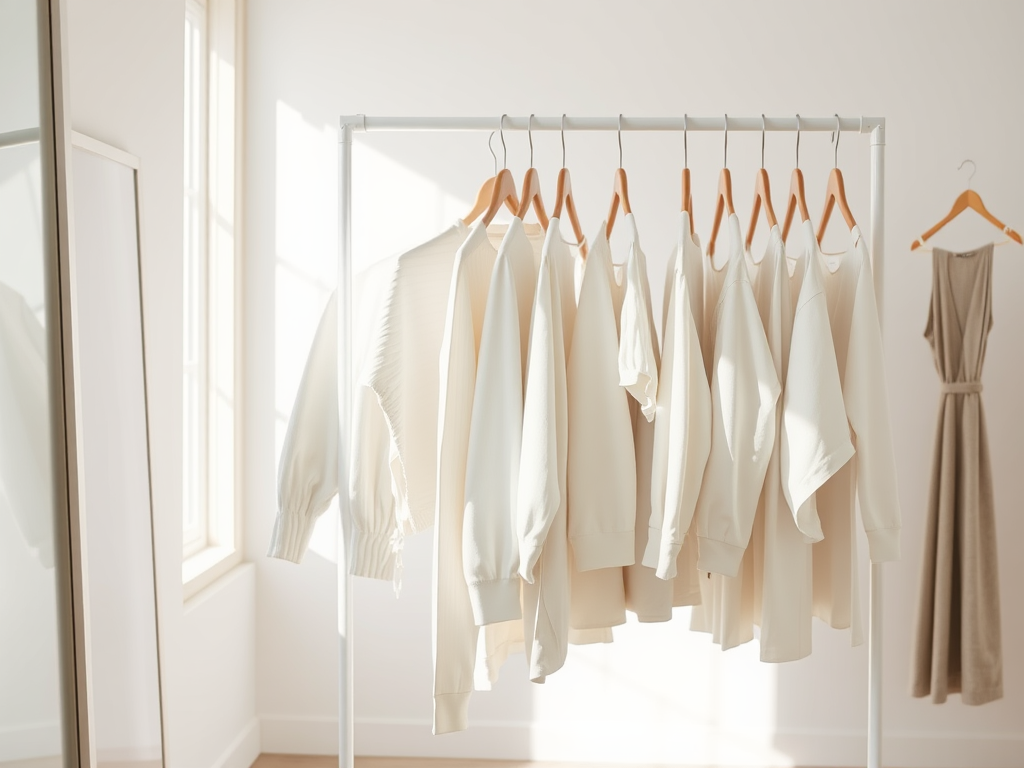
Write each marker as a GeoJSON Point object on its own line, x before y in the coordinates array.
{"type": "Point", "coordinates": [564, 199]}
{"type": "Point", "coordinates": [724, 201]}
{"type": "Point", "coordinates": [620, 191]}
{"type": "Point", "coordinates": [797, 196]}
{"type": "Point", "coordinates": [968, 199]}
{"type": "Point", "coordinates": [687, 198]}
{"type": "Point", "coordinates": [835, 194]}
{"type": "Point", "coordinates": [483, 196]}
{"type": "Point", "coordinates": [503, 192]}
{"type": "Point", "coordinates": [530, 194]}
{"type": "Point", "coordinates": [762, 197]}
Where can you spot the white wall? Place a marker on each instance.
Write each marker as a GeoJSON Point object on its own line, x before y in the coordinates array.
{"type": "Point", "coordinates": [126, 68]}
{"type": "Point", "coordinates": [948, 78]}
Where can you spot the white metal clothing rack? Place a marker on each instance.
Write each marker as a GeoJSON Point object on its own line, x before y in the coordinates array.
{"type": "Point", "coordinates": [875, 126]}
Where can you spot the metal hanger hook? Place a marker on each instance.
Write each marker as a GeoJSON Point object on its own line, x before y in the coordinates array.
{"type": "Point", "coordinates": [491, 150]}
{"type": "Point", "coordinates": [725, 152]}
{"type": "Point", "coordinates": [620, 139]}
{"type": "Point", "coordinates": [529, 134]}
{"type": "Point", "coordinates": [563, 139]}
{"type": "Point", "coordinates": [762, 141]}
{"type": "Point", "coordinates": [504, 149]}
{"type": "Point", "coordinates": [835, 136]}
{"type": "Point", "coordinates": [974, 170]}
{"type": "Point", "coordinates": [798, 141]}
{"type": "Point", "coordinates": [686, 150]}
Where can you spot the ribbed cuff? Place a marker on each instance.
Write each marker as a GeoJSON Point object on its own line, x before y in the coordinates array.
{"type": "Point", "coordinates": [604, 550]}
{"type": "Point", "coordinates": [291, 535]}
{"type": "Point", "coordinates": [495, 601]}
{"type": "Point", "coordinates": [884, 545]}
{"type": "Point", "coordinates": [661, 554]}
{"type": "Point", "coordinates": [373, 555]}
{"type": "Point", "coordinates": [718, 557]}
{"type": "Point", "coordinates": [451, 712]}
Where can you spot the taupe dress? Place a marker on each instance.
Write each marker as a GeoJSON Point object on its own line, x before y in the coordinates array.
{"type": "Point", "coordinates": [958, 647]}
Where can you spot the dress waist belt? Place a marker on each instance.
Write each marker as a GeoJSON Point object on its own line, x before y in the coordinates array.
{"type": "Point", "coordinates": [961, 387]}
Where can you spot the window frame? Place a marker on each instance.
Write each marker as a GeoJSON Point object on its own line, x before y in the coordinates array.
{"type": "Point", "coordinates": [221, 393]}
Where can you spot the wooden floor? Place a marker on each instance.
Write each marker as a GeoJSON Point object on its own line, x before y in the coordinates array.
{"type": "Point", "coordinates": [307, 761]}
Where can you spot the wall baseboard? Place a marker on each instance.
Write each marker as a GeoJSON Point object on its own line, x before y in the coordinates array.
{"type": "Point", "coordinates": [581, 742]}
{"type": "Point", "coordinates": [243, 749]}
{"type": "Point", "coordinates": [290, 735]}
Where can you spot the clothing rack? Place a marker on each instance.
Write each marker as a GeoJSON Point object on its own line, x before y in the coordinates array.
{"type": "Point", "coordinates": [350, 124]}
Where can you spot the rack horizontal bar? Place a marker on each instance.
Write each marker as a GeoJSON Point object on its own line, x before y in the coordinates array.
{"type": "Point", "coordinates": [858, 124]}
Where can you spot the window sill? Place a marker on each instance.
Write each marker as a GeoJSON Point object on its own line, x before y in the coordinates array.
{"type": "Point", "coordinates": [203, 568]}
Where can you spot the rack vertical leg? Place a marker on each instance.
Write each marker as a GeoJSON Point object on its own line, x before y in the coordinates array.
{"type": "Point", "coordinates": [346, 715]}
{"type": "Point", "coordinates": [875, 578]}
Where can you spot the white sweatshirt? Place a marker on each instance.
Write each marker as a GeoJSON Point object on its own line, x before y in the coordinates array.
{"type": "Point", "coordinates": [649, 597]}
{"type": "Point", "coordinates": [744, 393]}
{"type": "Point", "coordinates": [601, 473]}
{"type": "Point", "coordinates": [682, 426]}
{"type": "Point", "coordinates": [871, 474]}
{"type": "Point", "coordinates": [541, 493]}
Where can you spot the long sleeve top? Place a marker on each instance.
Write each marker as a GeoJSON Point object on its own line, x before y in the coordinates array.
{"type": "Point", "coordinates": [682, 425]}
{"type": "Point", "coordinates": [309, 464]}
{"type": "Point", "coordinates": [744, 392]}
{"type": "Point", "coordinates": [870, 477]}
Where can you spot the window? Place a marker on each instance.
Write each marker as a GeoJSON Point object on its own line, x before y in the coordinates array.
{"type": "Point", "coordinates": [211, 531]}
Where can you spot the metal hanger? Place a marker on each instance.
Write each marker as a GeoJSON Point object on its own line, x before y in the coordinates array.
{"type": "Point", "coordinates": [620, 191]}
{"type": "Point", "coordinates": [835, 193]}
{"type": "Point", "coordinates": [762, 196]}
{"type": "Point", "coordinates": [531, 187]}
{"type": "Point", "coordinates": [483, 196]}
{"type": "Point", "coordinates": [564, 199]}
{"type": "Point", "coordinates": [504, 190]}
{"type": "Point", "coordinates": [723, 203]}
{"type": "Point", "coordinates": [797, 196]}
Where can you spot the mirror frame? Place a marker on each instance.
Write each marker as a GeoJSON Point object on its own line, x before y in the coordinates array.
{"type": "Point", "coordinates": [55, 160]}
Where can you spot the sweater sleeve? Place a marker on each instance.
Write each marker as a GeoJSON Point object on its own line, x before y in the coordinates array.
{"type": "Point", "coordinates": [539, 494]}
{"type": "Point", "coordinates": [307, 478]}
{"type": "Point", "coordinates": [867, 407]}
{"type": "Point", "coordinates": [490, 550]}
{"type": "Point", "coordinates": [682, 430]}
{"type": "Point", "coordinates": [745, 390]}
{"type": "Point", "coordinates": [308, 471]}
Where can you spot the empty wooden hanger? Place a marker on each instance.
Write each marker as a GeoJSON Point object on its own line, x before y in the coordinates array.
{"type": "Point", "coordinates": [797, 196]}
{"type": "Point", "coordinates": [483, 196]}
{"type": "Point", "coordinates": [762, 197]}
{"type": "Point", "coordinates": [530, 194]}
{"type": "Point", "coordinates": [504, 190]}
{"type": "Point", "coordinates": [724, 201]}
{"type": "Point", "coordinates": [968, 199]}
{"type": "Point", "coordinates": [564, 199]}
{"type": "Point", "coordinates": [835, 193]}
{"type": "Point", "coordinates": [687, 198]}
{"type": "Point", "coordinates": [620, 191]}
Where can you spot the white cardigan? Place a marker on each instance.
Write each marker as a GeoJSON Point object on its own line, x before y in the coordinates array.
{"type": "Point", "coordinates": [398, 318]}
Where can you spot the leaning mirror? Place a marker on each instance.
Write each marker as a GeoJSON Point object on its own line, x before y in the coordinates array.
{"type": "Point", "coordinates": [35, 634]}
{"type": "Point", "coordinates": [121, 615]}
